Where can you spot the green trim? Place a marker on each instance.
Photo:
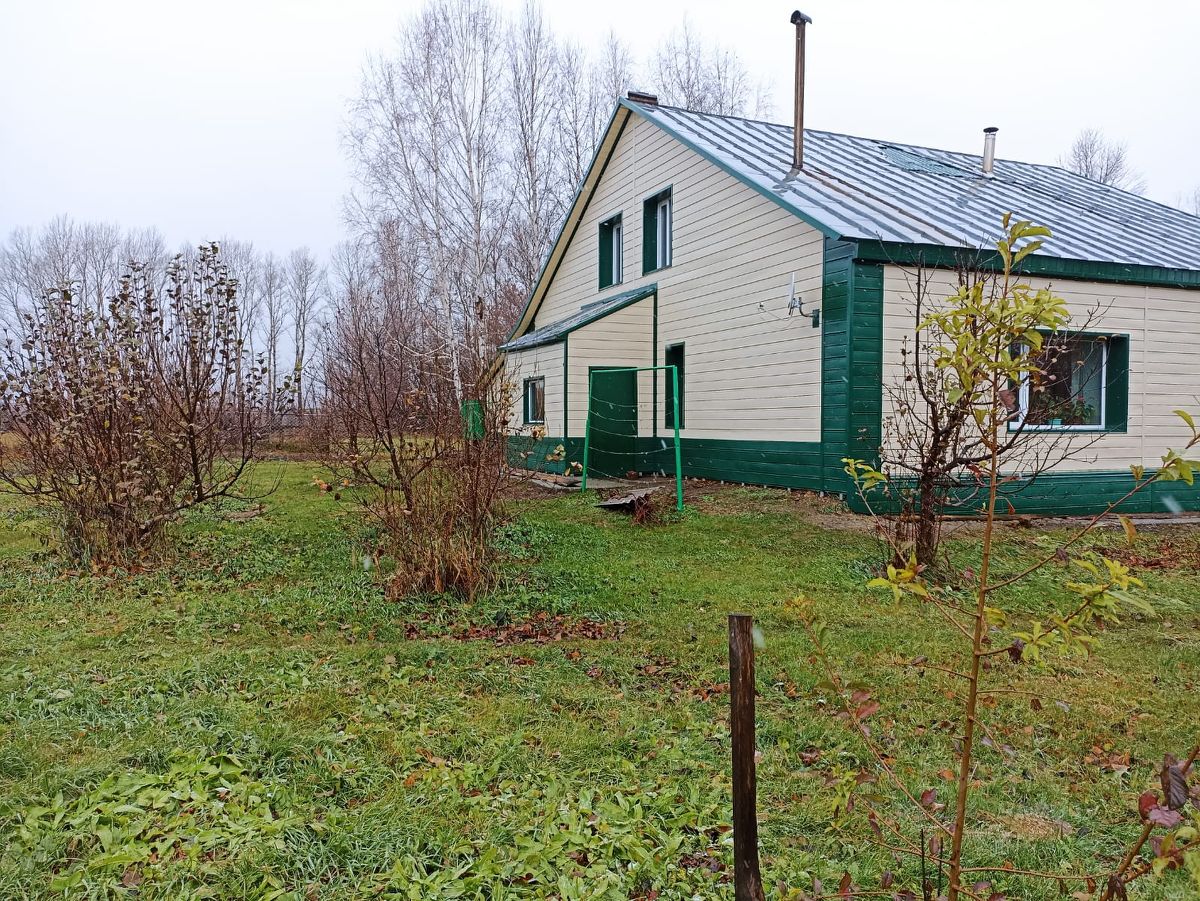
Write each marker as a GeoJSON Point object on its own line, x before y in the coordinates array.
{"type": "Point", "coordinates": [1116, 388]}
{"type": "Point", "coordinates": [524, 452]}
{"type": "Point", "coordinates": [606, 252]}
{"type": "Point", "coordinates": [593, 312]}
{"type": "Point", "coordinates": [1051, 267]}
{"type": "Point", "coordinates": [537, 282]}
{"type": "Point", "coordinates": [730, 170]}
{"type": "Point", "coordinates": [650, 229]}
{"type": "Point", "coordinates": [1080, 493]}
{"type": "Point", "coordinates": [654, 362]}
{"type": "Point", "coordinates": [1116, 385]}
{"type": "Point", "coordinates": [851, 362]}
{"type": "Point", "coordinates": [566, 390]}
{"type": "Point", "coordinates": [681, 384]}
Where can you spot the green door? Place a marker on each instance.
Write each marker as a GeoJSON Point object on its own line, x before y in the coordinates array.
{"type": "Point", "coordinates": [612, 415]}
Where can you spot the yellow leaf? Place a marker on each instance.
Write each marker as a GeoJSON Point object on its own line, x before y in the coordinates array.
{"type": "Point", "coordinates": [1130, 529]}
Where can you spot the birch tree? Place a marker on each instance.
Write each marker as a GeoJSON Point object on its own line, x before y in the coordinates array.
{"type": "Point", "coordinates": [542, 190]}
{"type": "Point", "coordinates": [1095, 157]}
{"type": "Point", "coordinates": [274, 321]}
{"type": "Point", "coordinates": [707, 78]}
{"type": "Point", "coordinates": [304, 289]}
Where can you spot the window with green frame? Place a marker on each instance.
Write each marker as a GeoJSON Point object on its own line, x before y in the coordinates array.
{"type": "Point", "coordinates": [1081, 383]}
{"type": "Point", "coordinates": [657, 223]}
{"type": "Point", "coordinates": [535, 401]}
{"type": "Point", "coordinates": [673, 357]}
{"type": "Point", "coordinates": [611, 257]}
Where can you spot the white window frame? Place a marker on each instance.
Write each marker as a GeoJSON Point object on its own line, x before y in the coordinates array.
{"type": "Point", "coordinates": [1023, 396]}
{"type": "Point", "coordinates": [618, 261]}
{"type": "Point", "coordinates": [662, 224]}
{"type": "Point", "coordinates": [528, 407]}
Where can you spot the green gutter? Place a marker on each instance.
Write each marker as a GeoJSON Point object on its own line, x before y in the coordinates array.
{"type": "Point", "coordinates": [938, 257]}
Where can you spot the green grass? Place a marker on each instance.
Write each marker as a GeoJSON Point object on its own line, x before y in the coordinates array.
{"type": "Point", "coordinates": [251, 721]}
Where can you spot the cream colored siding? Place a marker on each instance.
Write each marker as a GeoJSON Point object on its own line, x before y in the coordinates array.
{"type": "Point", "coordinates": [751, 373]}
{"type": "Point", "coordinates": [620, 339]}
{"type": "Point", "coordinates": [1163, 325]}
{"type": "Point", "coordinates": [547, 362]}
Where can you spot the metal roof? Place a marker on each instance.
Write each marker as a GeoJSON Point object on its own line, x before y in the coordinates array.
{"type": "Point", "coordinates": [879, 190]}
{"type": "Point", "coordinates": [590, 312]}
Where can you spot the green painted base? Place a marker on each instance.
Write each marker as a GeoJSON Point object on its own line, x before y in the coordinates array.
{"type": "Point", "coordinates": [798, 464]}
{"type": "Point", "coordinates": [783, 464]}
{"type": "Point", "coordinates": [1069, 494]}
{"type": "Point", "coordinates": [541, 455]}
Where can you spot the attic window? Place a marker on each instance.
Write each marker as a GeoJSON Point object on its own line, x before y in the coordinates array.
{"type": "Point", "coordinates": [915, 162]}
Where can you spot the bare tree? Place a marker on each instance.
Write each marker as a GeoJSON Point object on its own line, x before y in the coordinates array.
{"type": "Point", "coordinates": [304, 288]}
{"type": "Point", "coordinates": [274, 320]}
{"type": "Point", "coordinates": [705, 77]}
{"type": "Point", "coordinates": [541, 190]}
{"type": "Point", "coordinates": [1096, 157]}
{"type": "Point", "coordinates": [614, 72]}
{"type": "Point", "coordinates": [89, 256]}
{"type": "Point", "coordinates": [1190, 203]}
{"type": "Point", "coordinates": [428, 142]}
{"type": "Point", "coordinates": [586, 94]}
{"type": "Point", "coordinates": [930, 444]}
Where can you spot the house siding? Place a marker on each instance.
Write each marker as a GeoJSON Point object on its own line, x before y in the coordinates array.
{"type": "Point", "coordinates": [1163, 328]}
{"type": "Point", "coordinates": [624, 338]}
{"type": "Point", "coordinates": [544, 362]}
{"type": "Point", "coordinates": [752, 374]}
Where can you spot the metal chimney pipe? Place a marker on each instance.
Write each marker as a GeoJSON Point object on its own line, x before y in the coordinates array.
{"type": "Point", "coordinates": [989, 149]}
{"type": "Point", "coordinates": [799, 20]}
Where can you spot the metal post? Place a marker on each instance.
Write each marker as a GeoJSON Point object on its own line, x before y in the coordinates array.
{"type": "Point", "coordinates": [678, 455]}
{"type": "Point", "coordinates": [587, 431]}
{"type": "Point", "coordinates": [747, 880]}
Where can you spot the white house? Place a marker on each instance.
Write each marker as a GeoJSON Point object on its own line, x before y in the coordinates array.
{"type": "Point", "coordinates": [781, 292]}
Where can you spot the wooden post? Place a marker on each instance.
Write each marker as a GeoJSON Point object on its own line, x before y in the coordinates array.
{"type": "Point", "coordinates": [747, 881]}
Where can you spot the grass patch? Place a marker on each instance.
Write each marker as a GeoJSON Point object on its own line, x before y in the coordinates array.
{"type": "Point", "coordinates": [256, 720]}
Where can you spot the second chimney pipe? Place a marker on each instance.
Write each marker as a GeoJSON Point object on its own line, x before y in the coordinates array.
{"type": "Point", "coordinates": [799, 20]}
{"type": "Point", "coordinates": [989, 149]}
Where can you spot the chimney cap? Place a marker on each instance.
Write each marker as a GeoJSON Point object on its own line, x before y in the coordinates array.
{"type": "Point", "coordinates": [798, 17]}
{"type": "Point", "coordinates": [990, 130]}
{"type": "Point", "coordinates": [643, 97]}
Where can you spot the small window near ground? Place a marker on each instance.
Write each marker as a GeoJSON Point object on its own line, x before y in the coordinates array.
{"type": "Point", "coordinates": [610, 252]}
{"type": "Point", "coordinates": [535, 401]}
{"type": "Point", "coordinates": [674, 357]}
{"type": "Point", "coordinates": [657, 223]}
{"type": "Point", "coordinates": [1072, 386]}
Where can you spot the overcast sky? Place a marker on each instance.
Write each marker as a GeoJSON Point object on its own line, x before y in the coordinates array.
{"type": "Point", "coordinates": [224, 117]}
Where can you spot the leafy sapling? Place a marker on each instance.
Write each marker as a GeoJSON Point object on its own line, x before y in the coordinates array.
{"type": "Point", "coordinates": [988, 342]}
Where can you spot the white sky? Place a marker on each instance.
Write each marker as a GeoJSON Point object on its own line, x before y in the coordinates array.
{"type": "Point", "coordinates": [224, 117]}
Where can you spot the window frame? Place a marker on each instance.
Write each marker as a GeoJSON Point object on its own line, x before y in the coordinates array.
{"type": "Point", "coordinates": [1106, 385]}
{"type": "Point", "coordinates": [611, 255]}
{"type": "Point", "coordinates": [658, 220]}
{"type": "Point", "coordinates": [525, 404]}
{"type": "Point", "coordinates": [668, 408]}
{"type": "Point", "coordinates": [662, 233]}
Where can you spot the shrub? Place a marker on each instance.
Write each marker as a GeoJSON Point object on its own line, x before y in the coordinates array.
{"type": "Point", "coordinates": [394, 427]}
{"type": "Point", "coordinates": [120, 415]}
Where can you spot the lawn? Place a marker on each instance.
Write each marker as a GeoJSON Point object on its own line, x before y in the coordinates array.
{"type": "Point", "coordinates": [255, 720]}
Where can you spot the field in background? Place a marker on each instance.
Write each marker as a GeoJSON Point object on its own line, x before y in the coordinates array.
{"type": "Point", "coordinates": [254, 720]}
